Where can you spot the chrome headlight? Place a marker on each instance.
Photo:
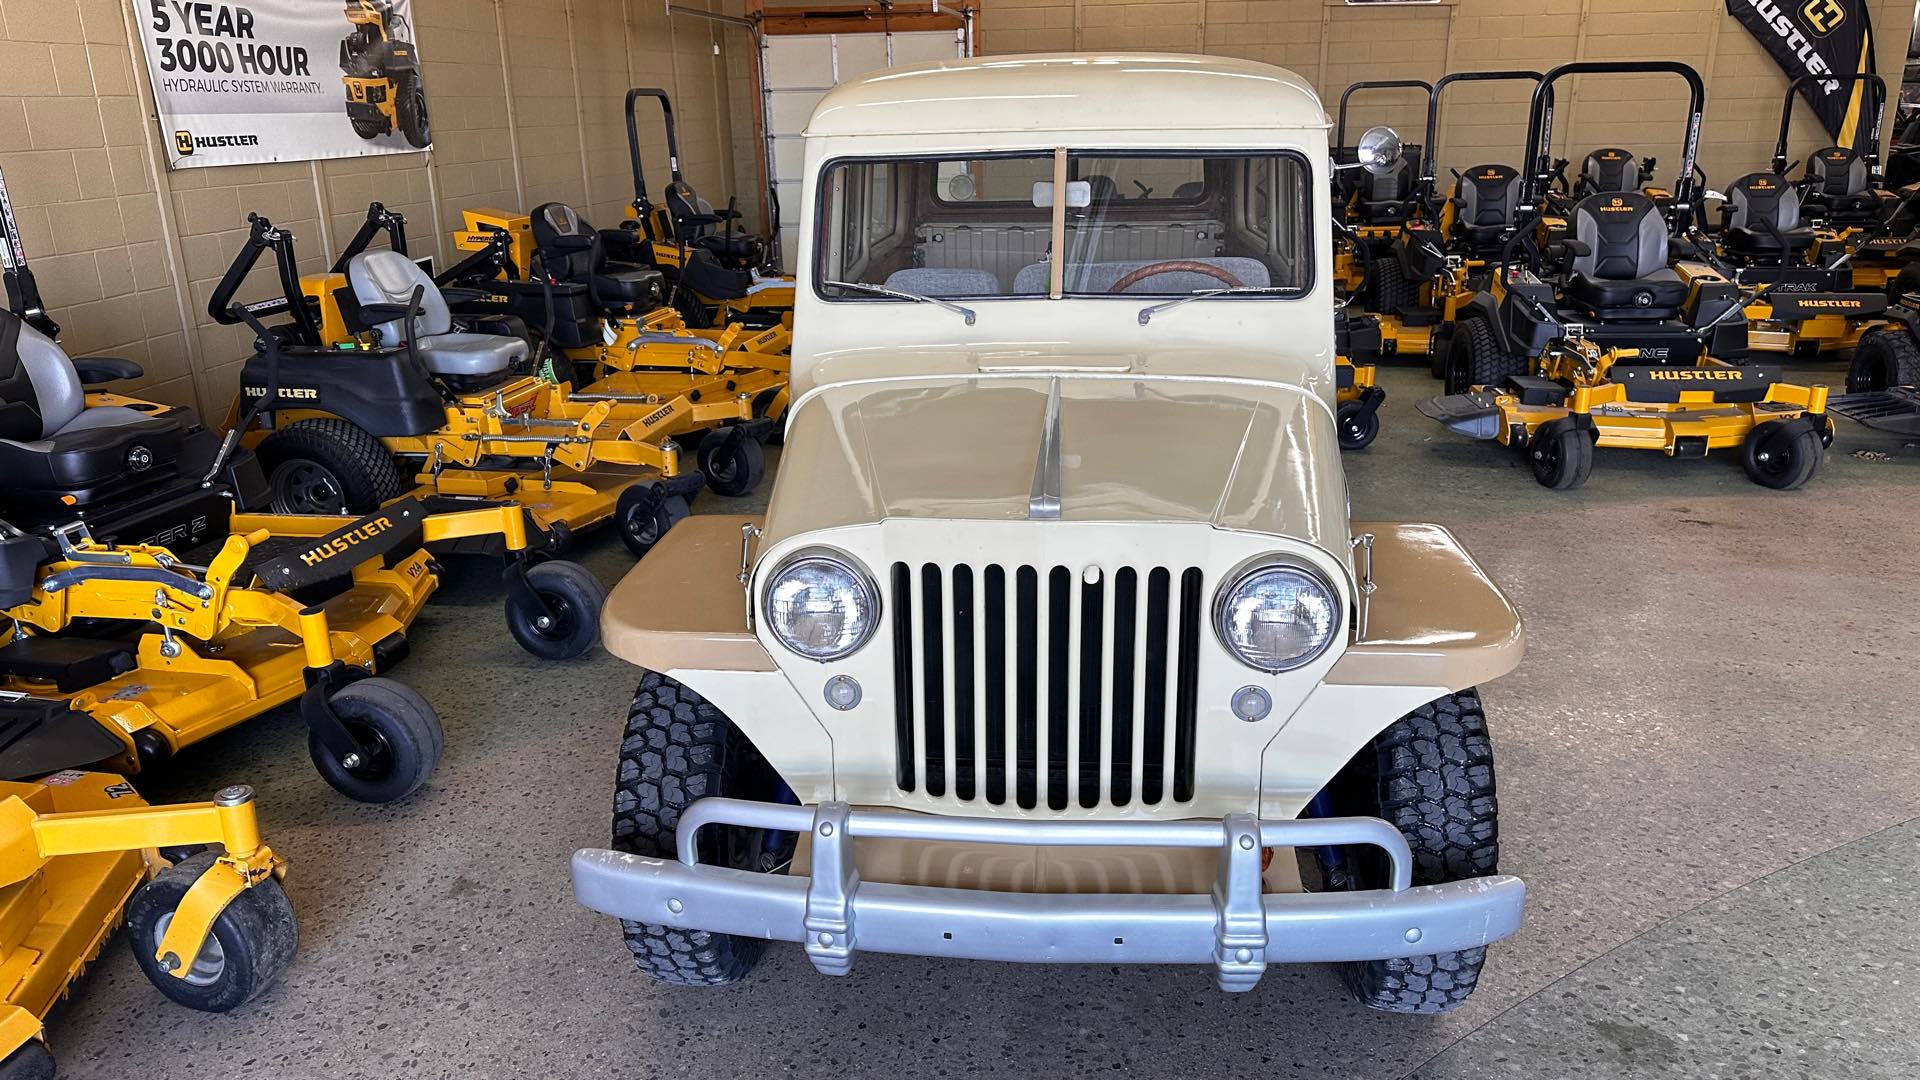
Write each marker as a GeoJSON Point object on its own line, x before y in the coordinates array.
{"type": "Point", "coordinates": [1276, 616]}
{"type": "Point", "coordinates": [822, 604]}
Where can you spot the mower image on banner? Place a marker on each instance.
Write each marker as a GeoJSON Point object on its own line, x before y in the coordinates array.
{"type": "Point", "coordinates": [455, 411]}
{"type": "Point", "coordinates": [80, 854]}
{"type": "Point", "coordinates": [1598, 341]}
{"type": "Point", "coordinates": [382, 74]}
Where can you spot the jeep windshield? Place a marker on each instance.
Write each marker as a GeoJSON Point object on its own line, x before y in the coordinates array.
{"type": "Point", "coordinates": [1232, 226]}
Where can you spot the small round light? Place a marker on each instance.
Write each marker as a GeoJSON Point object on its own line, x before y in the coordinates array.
{"type": "Point", "coordinates": [1276, 617]}
{"type": "Point", "coordinates": [1251, 703]}
{"type": "Point", "coordinates": [821, 604]}
{"type": "Point", "coordinates": [842, 692]}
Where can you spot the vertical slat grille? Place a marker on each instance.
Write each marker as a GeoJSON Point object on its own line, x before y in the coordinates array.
{"type": "Point", "coordinates": [1047, 686]}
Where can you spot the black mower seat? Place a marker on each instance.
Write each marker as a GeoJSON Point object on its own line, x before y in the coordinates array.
{"type": "Point", "coordinates": [1763, 217]}
{"type": "Point", "coordinates": [1621, 271]}
{"type": "Point", "coordinates": [1383, 197]}
{"type": "Point", "coordinates": [572, 251]}
{"type": "Point", "coordinates": [389, 278]}
{"type": "Point", "coordinates": [1837, 179]}
{"type": "Point", "coordinates": [1609, 170]}
{"type": "Point", "coordinates": [1485, 203]}
{"type": "Point", "coordinates": [51, 441]}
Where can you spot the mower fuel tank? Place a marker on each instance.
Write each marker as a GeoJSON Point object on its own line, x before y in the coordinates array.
{"type": "Point", "coordinates": [381, 390]}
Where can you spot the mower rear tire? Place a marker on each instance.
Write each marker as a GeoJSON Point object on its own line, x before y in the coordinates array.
{"type": "Point", "coordinates": [252, 941]}
{"type": "Point", "coordinates": [643, 517]}
{"type": "Point", "coordinates": [1884, 358]}
{"type": "Point", "coordinates": [1781, 454]}
{"type": "Point", "coordinates": [573, 598]}
{"type": "Point", "coordinates": [328, 466]}
{"type": "Point", "coordinates": [32, 1061]}
{"type": "Point", "coordinates": [733, 465]}
{"type": "Point", "coordinates": [1431, 776]}
{"type": "Point", "coordinates": [1391, 289]}
{"type": "Point", "coordinates": [403, 735]}
{"type": "Point", "coordinates": [1560, 455]}
{"type": "Point", "coordinates": [678, 749]}
{"type": "Point", "coordinates": [411, 114]}
{"type": "Point", "coordinates": [1487, 363]}
{"type": "Point", "coordinates": [1358, 425]}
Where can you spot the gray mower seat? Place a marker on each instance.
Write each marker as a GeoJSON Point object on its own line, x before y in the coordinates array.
{"type": "Point", "coordinates": [388, 277]}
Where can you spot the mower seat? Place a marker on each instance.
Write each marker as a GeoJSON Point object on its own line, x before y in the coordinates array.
{"type": "Point", "coordinates": [1609, 170]}
{"type": "Point", "coordinates": [1383, 198]}
{"type": "Point", "coordinates": [53, 442]}
{"type": "Point", "coordinates": [1763, 218]}
{"type": "Point", "coordinates": [1623, 272]}
{"type": "Point", "coordinates": [389, 278]}
{"type": "Point", "coordinates": [697, 224]}
{"type": "Point", "coordinates": [572, 251]}
{"type": "Point", "coordinates": [1485, 202]}
{"type": "Point", "coordinates": [1837, 183]}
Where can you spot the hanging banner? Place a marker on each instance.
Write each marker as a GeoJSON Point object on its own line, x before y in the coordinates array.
{"type": "Point", "coordinates": [283, 80]}
{"type": "Point", "coordinates": [1819, 37]}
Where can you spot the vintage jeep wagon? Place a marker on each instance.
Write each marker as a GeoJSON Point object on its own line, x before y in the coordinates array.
{"type": "Point", "coordinates": [1056, 643]}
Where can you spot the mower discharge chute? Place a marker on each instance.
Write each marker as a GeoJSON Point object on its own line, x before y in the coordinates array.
{"type": "Point", "coordinates": [1597, 340]}
{"type": "Point", "coordinates": [382, 75]}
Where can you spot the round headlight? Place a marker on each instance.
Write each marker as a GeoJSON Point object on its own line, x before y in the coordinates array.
{"type": "Point", "coordinates": [1276, 617]}
{"type": "Point", "coordinates": [821, 604]}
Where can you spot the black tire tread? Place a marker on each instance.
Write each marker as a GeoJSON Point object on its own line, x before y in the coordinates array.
{"type": "Point", "coordinates": [1392, 290]}
{"type": "Point", "coordinates": [1488, 363]}
{"type": "Point", "coordinates": [260, 915]}
{"type": "Point", "coordinates": [1890, 354]}
{"type": "Point", "coordinates": [373, 479]}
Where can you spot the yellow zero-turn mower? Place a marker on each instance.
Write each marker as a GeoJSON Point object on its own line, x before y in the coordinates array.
{"type": "Point", "coordinates": [1806, 304]}
{"type": "Point", "coordinates": [414, 404]}
{"type": "Point", "coordinates": [1613, 347]}
{"type": "Point", "coordinates": [81, 853]}
{"type": "Point", "coordinates": [1418, 284]}
{"type": "Point", "coordinates": [716, 273]}
{"type": "Point", "coordinates": [381, 69]}
{"type": "Point", "coordinates": [144, 613]}
{"type": "Point", "coordinates": [1356, 387]}
{"type": "Point", "coordinates": [1370, 205]}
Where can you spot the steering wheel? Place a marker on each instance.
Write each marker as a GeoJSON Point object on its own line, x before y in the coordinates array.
{"type": "Point", "coordinates": [1174, 266]}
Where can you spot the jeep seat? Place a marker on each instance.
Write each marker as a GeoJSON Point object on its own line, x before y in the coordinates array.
{"type": "Point", "coordinates": [1836, 183]}
{"type": "Point", "coordinates": [53, 442]}
{"type": "Point", "coordinates": [1623, 273]}
{"type": "Point", "coordinates": [1609, 170]}
{"type": "Point", "coordinates": [389, 278]}
{"type": "Point", "coordinates": [1763, 217]}
{"type": "Point", "coordinates": [572, 251]}
{"type": "Point", "coordinates": [1485, 202]}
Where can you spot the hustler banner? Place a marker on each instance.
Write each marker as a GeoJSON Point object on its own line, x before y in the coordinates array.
{"type": "Point", "coordinates": [283, 80]}
{"type": "Point", "coordinates": [1819, 37]}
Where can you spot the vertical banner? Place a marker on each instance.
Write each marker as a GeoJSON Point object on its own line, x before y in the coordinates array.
{"type": "Point", "coordinates": [1819, 37]}
{"type": "Point", "coordinates": [283, 80]}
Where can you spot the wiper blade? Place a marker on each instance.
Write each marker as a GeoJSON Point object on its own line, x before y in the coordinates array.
{"type": "Point", "coordinates": [1147, 313]}
{"type": "Point", "coordinates": [901, 294]}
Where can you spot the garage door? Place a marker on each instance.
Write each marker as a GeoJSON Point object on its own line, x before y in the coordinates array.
{"type": "Point", "coordinates": [797, 69]}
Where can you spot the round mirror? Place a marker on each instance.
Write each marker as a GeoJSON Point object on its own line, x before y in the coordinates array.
{"type": "Point", "coordinates": [1378, 149]}
{"type": "Point", "coordinates": [960, 188]}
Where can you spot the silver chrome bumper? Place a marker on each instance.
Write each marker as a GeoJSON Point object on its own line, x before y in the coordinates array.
{"type": "Point", "coordinates": [1238, 929]}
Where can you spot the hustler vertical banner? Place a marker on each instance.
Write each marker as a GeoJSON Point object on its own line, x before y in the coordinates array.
{"type": "Point", "coordinates": [283, 80]}
{"type": "Point", "coordinates": [1819, 37]}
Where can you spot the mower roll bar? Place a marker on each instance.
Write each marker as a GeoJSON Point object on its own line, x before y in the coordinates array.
{"type": "Point", "coordinates": [1429, 162]}
{"type": "Point", "coordinates": [640, 203]}
{"type": "Point", "coordinates": [1538, 171]}
{"type": "Point", "coordinates": [1877, 91]}
{"type": "Point", "coordinates": [379, 220]}
{"type": "Point", "coordinates": [1340, 127]}
{"type": "Point", "coordinates": [262, 236]}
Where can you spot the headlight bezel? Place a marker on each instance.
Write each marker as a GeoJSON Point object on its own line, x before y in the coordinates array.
{"type": "Point", "coordinates": [853, 566]}
{"type": "Point", "coordinates": [1261, 564]}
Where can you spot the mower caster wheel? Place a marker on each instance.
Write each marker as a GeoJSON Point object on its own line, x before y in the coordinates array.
{"type": "Point", "coordinates": [643, 517]}
{"type": "Point", "coordinates": [567, 621]}
{"type": "Point", "coordinates": [252, 941]}
{"type": "Point", "coordinates": [1358, 425]}
{"type": "Point", "coordinates": [734, 464]}
{"type": "Point", "coordinates": [402, 735]}
{"type": "Point", "coordinates": [1781, 454]}
{"type": "Point", "coordinates": [1560, 455]}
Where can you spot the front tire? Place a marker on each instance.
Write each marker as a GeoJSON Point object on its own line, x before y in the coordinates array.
{"type": "Point", "coordinates": [402, 733]}
{"type": "Point", "coordinates": [679, 749]}
{"type": "Point", "coordinates": [32, 1061]}
{"type": "Point", "coordinates": [328, 466]}
{"type": "Point", "coordinates": [733, 466]}
{"type": "Point", "coordinates": [1560, 455]}
{"type": "Point", "coordinates": [1431, 776]}
{"type": "Point", "coordinates": [1884, 358]}
{"type": "Point", "coordinates": [252, 941]}
{"type": "Point", "coordinates": [1781, 454]}
{"type": "Point", "coordinates": [574, 599]}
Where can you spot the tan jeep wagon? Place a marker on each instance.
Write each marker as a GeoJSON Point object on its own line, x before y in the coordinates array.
{"type": "Point", "coordinates": [1057, 643]}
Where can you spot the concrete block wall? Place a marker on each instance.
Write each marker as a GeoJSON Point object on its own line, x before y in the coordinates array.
{"type": "Point", "coordinates": [1333, 45]}
{"type": "Point", "coordinates": [525, 98]}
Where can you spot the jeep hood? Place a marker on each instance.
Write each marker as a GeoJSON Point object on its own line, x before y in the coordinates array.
{"type": "Point", "coordinates": [1234, 453]}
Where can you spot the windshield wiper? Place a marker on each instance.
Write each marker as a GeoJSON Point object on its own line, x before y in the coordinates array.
{"type": "Point", "coordinates": [901, 294]}
{"type": "Point", "coordinates": [1147, 313]}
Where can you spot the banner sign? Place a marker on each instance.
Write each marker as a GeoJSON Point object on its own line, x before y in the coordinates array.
{"type": "Point", "coordinates": [283, 80]}
{"type": "Point", "coordinates": [1819, 37]}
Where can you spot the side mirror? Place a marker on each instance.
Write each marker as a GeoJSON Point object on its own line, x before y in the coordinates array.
{"type": "Point", "coordinates": [1378, 149]}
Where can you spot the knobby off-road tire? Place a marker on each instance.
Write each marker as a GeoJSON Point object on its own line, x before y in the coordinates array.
{"type": "Point", "coordinates": [1884, 358]}
{"type": "Point", "coordinates": [1431, 776]}
{"type": "Point", "coordinates": [678, 749]}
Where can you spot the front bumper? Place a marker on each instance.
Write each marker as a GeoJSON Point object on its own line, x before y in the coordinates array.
{"type": "Point", "coordinates": [1238, 929]}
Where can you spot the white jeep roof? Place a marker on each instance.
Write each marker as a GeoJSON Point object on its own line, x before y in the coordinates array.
{"type": "Point", "coordinates": [1070, 92]}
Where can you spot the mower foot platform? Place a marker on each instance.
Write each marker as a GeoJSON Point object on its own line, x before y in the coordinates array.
{"type": "Point", "coordinates": [1472, 414]}
{"type": "Point", "coordinates": [1896, 409]}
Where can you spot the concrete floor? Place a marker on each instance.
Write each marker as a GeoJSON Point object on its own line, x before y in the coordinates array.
{"type": "Point", "coordinates": [1707, 768]}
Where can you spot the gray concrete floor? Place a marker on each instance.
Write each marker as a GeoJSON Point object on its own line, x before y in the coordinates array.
{"type": "Point", "coordinates": [1707, 769]}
